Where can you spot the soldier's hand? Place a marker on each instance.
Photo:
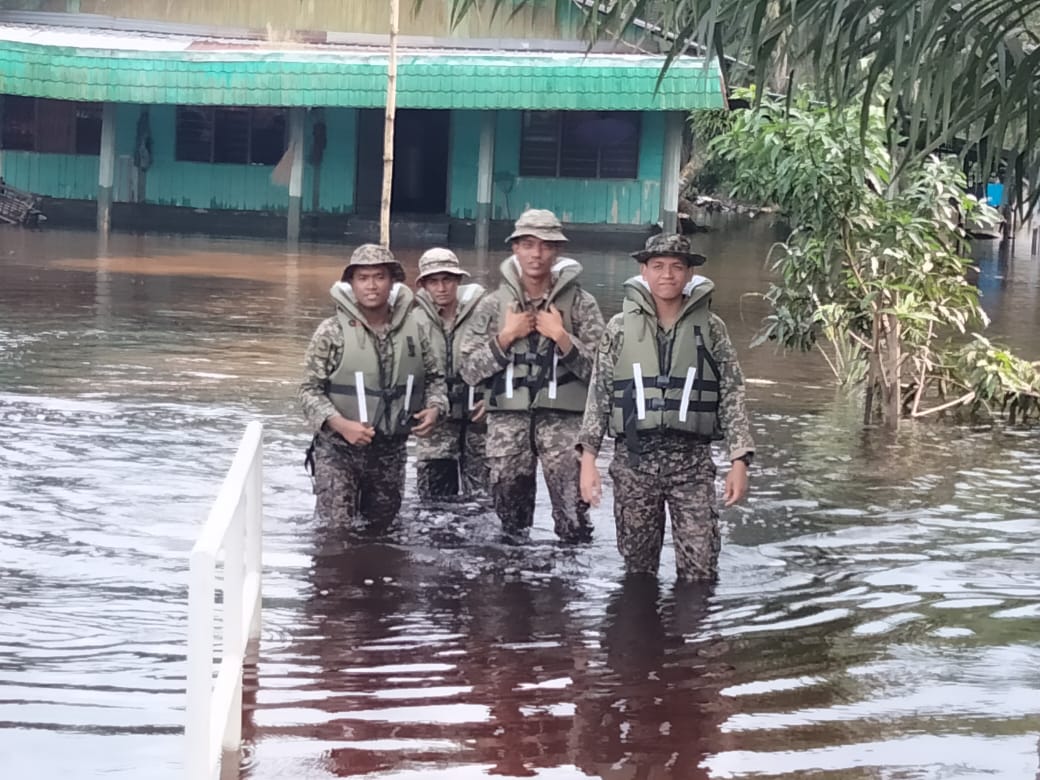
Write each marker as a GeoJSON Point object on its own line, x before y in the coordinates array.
{"type": "Point", "coordinates": [357, 433]}
{"type": "Point", "coordinates": [479, 411]}
{"type": "Point", "coordinates": [517, 325]}
{"type": "Point", "coordinates": [591, 487]}
{"type": "Point", "coordinates": [427, 419]}
{"type": "Point", "coordinates": [736, 483]}
{"type": "Point", "coordinates": [549, 323]}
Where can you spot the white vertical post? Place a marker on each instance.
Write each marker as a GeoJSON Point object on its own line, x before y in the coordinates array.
{"type": "Point", "coordinates": [297, 121]}
{"type": "Point", "coordinates": [485, 176]}
{"type": "Point", "coordinates": [670, 166]}
{"type": "Point", "coordinates": [254, 538]}
{"type": "Point", "coordinates": [200, 665]}
{"type": "Point", "coordinates": [214, 706]}
{"type": "Point", "coordinates": [106, 167]}
{"type": "Point", "coordinates": [234, 633]}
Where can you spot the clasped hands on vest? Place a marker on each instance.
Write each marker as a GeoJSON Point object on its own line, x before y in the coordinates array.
{"type": "Point", "coordinates": [521, 324]}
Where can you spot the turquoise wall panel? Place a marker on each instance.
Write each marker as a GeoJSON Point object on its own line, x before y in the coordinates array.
{"type": "Point", "coordinates": [465, 152]}
{"type": "Point", "coordinates": [71, 176]}
{"type": "Point", "coordinates": [127, 115]}
{"type": "Point", "coordinates": [585, 201]}
{"type": "Point", "coordinates": [338, 164]}
{"type": "Point", "coordinates": [196, 185]}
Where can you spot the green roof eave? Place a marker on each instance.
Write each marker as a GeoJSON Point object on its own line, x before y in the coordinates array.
{"type": "Point", "coordinates": [428, 79]}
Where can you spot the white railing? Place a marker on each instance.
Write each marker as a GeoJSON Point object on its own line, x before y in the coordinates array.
{"type": "Point", "coordinates": [213, 718]}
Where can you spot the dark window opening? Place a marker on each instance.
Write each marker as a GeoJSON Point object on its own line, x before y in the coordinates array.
{"type": "Point", "coordinates": [580, 144]}
{"type": "Point", "coordinates": [51, 126]}
{"type": "Point", "coordinates": [254, 136]}
{"type": "Point", "coordinates": [269, 134]}
{"type": "Point", "coordinates": [88, 128]}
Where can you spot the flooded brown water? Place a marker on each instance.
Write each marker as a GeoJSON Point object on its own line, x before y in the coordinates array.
{"type": "Point", "coordinates": [877, 614]}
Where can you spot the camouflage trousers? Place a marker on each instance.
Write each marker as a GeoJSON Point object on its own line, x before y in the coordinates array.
{"type": "Point", "coordinates": [517, 442]}
{"type": "Point", "coordinates": [452, 460]}
{"type": "Point", "coordinates": [683, 479]}
{"type": "Point", "coordinates": [359, 488]}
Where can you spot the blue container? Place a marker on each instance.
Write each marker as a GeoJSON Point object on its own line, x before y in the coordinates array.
{"type": "Point", "coordinates": [995, 195]}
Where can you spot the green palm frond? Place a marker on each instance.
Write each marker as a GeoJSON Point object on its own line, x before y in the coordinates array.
{"type": "Point", "coordinates": [951, 72]}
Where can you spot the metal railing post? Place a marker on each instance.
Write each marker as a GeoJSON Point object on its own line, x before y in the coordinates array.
{"type": "Point", "coordinates": [200, 664]}
{"type": "Point", "coordinates": [234, 634]}
{"type": "Point", "coordinates": [255, 537]}
{"type": "Point", "coordinates": [235, 525]}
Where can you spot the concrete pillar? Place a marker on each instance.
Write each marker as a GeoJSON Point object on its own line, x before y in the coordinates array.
{"type": "Point", "coordinates": [106, 168]}
{"type": "Point", "coordinates": [297, 122]}
{"type": "Point", "coordinates": [485, 176]}
{"type": "Point", "coordinates": [670, 165]}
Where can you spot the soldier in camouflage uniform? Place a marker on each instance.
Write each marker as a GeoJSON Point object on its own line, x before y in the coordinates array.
{"type": "Point", "coordinates": [454, 450]}
{"type": "Point", "coordinates": [371, 379]}
{"type": "Point", "coordinates": [532, 345]}
{"type": "Point", "coordinates": [666, 383]}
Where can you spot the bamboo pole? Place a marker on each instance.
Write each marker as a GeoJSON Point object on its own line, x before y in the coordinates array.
{"type": "Point", "coordinates": [388, 132]}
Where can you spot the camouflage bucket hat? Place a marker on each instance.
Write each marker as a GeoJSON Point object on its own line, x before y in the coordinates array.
{"type": "Point", "coordinates": [373, 254]}
{"type": "Point", "coordinates": [439, 261]}
{"type": "Point", "coordinates": [540, 223]}
{"type": "Point", "coordinates": [670, 245]}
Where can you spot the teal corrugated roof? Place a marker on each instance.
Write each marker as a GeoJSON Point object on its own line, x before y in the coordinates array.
{"type": "Point", "coordinates": [499, 80]}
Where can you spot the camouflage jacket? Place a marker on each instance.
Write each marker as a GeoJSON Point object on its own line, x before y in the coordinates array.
{"type": "Point", "coordinates": [323, 357]}
{"type": "Point", "coordinates": [483, 358]}
{"type": "Point", "coordinates": [733, 416]}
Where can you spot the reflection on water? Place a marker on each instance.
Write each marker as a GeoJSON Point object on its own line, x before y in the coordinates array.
{"type": "Point", "coordinates": [876, 614]}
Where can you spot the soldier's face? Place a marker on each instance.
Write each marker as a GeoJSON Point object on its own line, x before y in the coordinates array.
{"type": "Point", "coordinates": [443, 288]}
{"type": "Point", "coordinates": [536, 257]}
{"type": "Point", "coordinates": [666, 276]}
{"type": "Point", "coordinates": [371, 287]}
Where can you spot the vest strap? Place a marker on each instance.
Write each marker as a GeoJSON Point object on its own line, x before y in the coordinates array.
{"type": "Point", "coordinates": [625, 396]}
{"type": "Point", "coordinates": [391, 394]}
{"type": "Point", "coordinates": [668, 383]}
{"type": "Point", "coordinates": [532, 383]}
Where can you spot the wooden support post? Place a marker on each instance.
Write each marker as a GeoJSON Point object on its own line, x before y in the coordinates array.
{"type": "Point", "coordinates": [485, 177]}
{"type": "Point", "coordinates": [388, 131]}
{"type": "Point", "coordinates": [297, 120]}
{"type": "Point", "coordinates": [670, 165]}
{"type": "Point", "coordinates": [106, 168]}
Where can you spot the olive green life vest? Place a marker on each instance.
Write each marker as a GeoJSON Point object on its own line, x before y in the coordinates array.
{"type": "Point", "coordinates": [670, 385]}
{"type": "Point", "coordinates": [533, 378]}
{"type": "Point", "coordinates": [461, 397]}
{"type": "Point", "coordinates": [357, 388]}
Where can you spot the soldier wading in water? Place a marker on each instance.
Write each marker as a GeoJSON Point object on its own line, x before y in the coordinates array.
{"type": "Point", "coordinates": [371, 380]}
{"type": "Point", "coordinates": [454, 451]}
{"type": "Point", "coordinates": [667, 383]}
{"type": "Point", "coordinates": [532, 343]}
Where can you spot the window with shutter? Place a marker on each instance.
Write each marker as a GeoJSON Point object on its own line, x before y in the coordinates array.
{"type": "Point", "coordinates": [231, 134]}
{"type": "Point", "coordinates": [51, 126]}
{"type": "Point", "coordinates": [580, 144]}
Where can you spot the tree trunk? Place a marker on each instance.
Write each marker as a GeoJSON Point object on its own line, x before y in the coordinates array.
{"type": "Point", "coordinates": [388, 132]}
{"type": "Point", "coordinates": [894, 391]}
{"type": "Point", "coordinates": [689, 171]}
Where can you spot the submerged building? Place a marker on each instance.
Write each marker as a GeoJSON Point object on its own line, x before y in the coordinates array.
{"type": "Point", "coordinates": [203, 122]}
